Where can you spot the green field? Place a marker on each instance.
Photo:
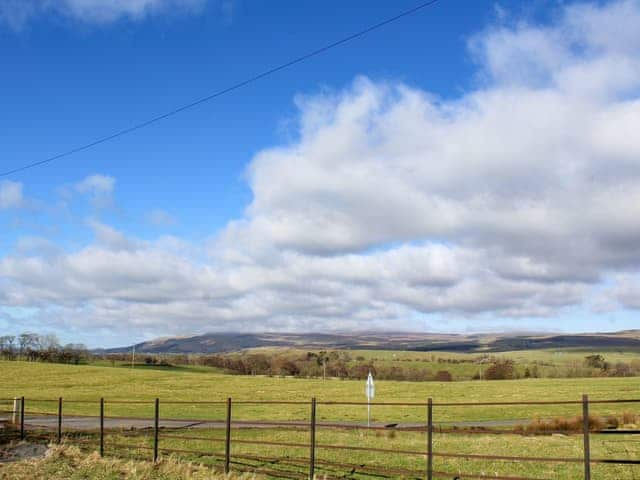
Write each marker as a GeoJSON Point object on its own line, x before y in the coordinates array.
{"type": "Point", "coordinates": [86, 382]}
{"type": "Point", "coordinates": [295, 459]}
{"type": "Point", "coordinates": [89, 382]}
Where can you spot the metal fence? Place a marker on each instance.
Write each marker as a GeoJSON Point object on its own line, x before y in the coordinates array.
{"type": "Point", "coordinates": [92, 432]}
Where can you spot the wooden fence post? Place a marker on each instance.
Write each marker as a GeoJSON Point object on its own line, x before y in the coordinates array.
{"type": "Point", "coordinates": [59, 419]}
{"type": "Point", "coordinates": [156, 428]}
{"type": "Point", "coordinates": [102, 427]}
{"type": "Point", "coordinates": [585, 429]}
{"type": "Point", "coordinates": [429, 439]}
{"type": "Point", "coordinates": [21, 418]}
{"type": "Point", "coordinates": [312, 446]}
{"type": "Point", "coordinates": [227, 439]}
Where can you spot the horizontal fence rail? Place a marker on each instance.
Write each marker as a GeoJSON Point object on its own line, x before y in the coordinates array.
{"type": "Point", "coordinates": [42, 425]}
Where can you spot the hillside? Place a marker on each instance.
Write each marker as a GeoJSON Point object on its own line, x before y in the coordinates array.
{"type": "Point", "coordinates": [229, 342]}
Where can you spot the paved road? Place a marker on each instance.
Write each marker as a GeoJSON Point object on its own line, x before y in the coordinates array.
{"type": "Point", "coordinates": [93, 423]}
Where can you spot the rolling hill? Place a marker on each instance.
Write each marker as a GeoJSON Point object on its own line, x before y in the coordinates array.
{"type": "Point", "coordinates": [229, 342]}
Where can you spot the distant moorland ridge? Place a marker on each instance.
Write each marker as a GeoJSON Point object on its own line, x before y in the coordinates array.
{"type": "Point", "coordinates": [230, 342]}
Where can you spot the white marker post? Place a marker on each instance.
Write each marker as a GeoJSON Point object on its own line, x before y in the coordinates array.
{"type": "Point", "coordinates": [371, 392]}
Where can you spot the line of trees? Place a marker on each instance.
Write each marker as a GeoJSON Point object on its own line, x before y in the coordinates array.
{"type": "Point", "coordinates": [323, 364]}
{"type": "Point", "coordinates": [34, 347]}
{"type": "Point", "coordinates": [339, 364]}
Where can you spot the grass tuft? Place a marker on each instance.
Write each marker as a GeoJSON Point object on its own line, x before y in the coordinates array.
{"type": "Point", "coordinates": [630, 418]}
{"type": "Point", "coordinates": [69, 463]}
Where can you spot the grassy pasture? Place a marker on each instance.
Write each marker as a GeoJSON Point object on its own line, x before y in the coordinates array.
{"type": "Point", "coordinates": [89, 382]}
{"type": "Point", "coordinates": [39, 380]}
{"type": "Point", "coordinates": [294, 459]}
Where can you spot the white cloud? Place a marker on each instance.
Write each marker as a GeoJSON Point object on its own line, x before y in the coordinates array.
{"type": "Point", "coordinates": [110, 238]}
{"type": "Point", "coordinates": [161, 218]}
{"type": "Point", "coordinates": [541, 163]}
{"type": "Point", "coordinates": [99, 188]}
{"type": "Point", "coordinates": [96, 184]}
{"type": "Point", "coordinates": [16, 13]}
{"type": "Point", "coordinates": [10, 194]}
{"type": "Point", "coordinates": [39, 246]}
{"type": "Point", "coordinates": [148, 286]}
{"type": "Point", "coordinates": [626, 291]}
{"type": "Point", "coordinates": [517, 199]}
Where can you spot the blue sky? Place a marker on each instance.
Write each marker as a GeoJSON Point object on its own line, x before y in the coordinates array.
{"type": "Point", "coordinates": [393, 182]}
{"type": "Point", "coordinates": [67, 82]}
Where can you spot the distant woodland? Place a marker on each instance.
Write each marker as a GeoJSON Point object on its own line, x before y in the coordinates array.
{"type": "Point", "coordinates": [344, 364]}
{"type": "Point", "coordinates": [41, 348]}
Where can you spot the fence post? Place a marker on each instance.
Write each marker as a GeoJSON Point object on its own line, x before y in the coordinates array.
{"type": "Point", "coordinates": [156, 428]}
{"type": "Point", "coordinates": [59, 419]}
{"type": "Point", "coordinates": [227, 439]}
{"type": "Point", "coordinates": [21, 418]}
{"type": "Point", "coordinates": [429, 439]}
{"type": "Point", "coordinates": [312, 446]}
{"type": "Point", "coordinates": [102, 427]}
{"type": "Point", "coordinates": [585, 428]}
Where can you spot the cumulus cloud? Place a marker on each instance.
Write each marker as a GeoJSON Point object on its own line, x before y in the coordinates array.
{"type": "Point", "coordinates": [626, 291]}
{"type": "Point", "coordinates": [149, 286]}
{"type": "Point", "coordinates": [540, 166]}
{"type": "Point", "coordinates": [99, 188]}
{"type": "Point", "coordinates": [37, 246]}
{"type": "Point", "coordinates": [515, 200]}
{"type": "Point", "coordinates": [10, 194]}
{"type": "Point", "coordinates": [16, 13]}
{"type": "Point", "coordinates": [96, 184]}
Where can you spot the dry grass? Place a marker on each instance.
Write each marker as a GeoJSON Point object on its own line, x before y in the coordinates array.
{"type": "Point", "coordinates": [630, 418]}
{"type": "Point", "coordinates": [568, 424]}
{"type": "Point", "coordinates": [69, 463]}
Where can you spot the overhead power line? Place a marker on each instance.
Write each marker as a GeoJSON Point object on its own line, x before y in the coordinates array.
{"type": "Point", "coordinates": [219, 93]}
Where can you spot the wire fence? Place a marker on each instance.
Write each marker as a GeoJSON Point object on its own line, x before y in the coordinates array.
{"type": "Point", "coordinates": [294, 446]}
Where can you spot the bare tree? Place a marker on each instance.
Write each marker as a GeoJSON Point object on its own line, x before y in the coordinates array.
{"type": "Point", "coordinates": [27, 341]}
{"type": "Point", "coordinates": [7, 346]}
{"type": "Point", "coordinates": [49, 342]}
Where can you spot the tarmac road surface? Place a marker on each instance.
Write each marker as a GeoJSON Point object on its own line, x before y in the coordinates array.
{"type": "Point", "coordinates": [74, 422]}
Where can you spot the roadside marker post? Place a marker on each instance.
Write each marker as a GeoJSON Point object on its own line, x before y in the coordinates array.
{"type": "Point", "coordinates": [371, 393]}
{"type": "Point", "coordinates": [15, 415]}
{"type": "Point", "coordinates": [21, 418]}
